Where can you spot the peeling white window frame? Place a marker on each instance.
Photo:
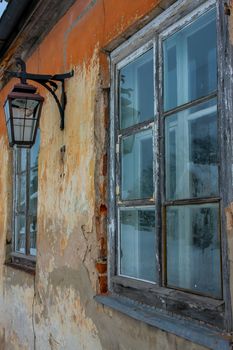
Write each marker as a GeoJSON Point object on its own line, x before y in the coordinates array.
{"type": "Point", "coordinates": [183, 11]}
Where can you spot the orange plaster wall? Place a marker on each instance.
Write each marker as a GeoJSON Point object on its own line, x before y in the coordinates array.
{"type": "Point", "coordinates": [88, 24]}
{"type": "Point", "coordinates": [85, 25]}
{"type": "Point", "coordinates": [58, 310]}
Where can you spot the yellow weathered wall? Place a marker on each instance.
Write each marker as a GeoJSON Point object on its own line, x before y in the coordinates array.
{"type": "Point", "coordinates": [55, 309]}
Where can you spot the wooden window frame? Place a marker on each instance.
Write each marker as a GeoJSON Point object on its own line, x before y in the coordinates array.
{"type": "Point", "coordinates": [182, 303]}
{"type": "Point", "coordinates": [25, 261]}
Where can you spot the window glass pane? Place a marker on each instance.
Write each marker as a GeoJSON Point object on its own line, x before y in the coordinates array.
{"type": "Point", "coordinates": [33, 193]}
{"type": "Point", "coordinates": [33, 232]}
{"type": "Point", "coordinates": [34, 151]}
{"type": "Point", "coordinates": [136, 91]}
{"type": "Point", "coordinates": [21, 193]}
{"type": "Point", "coordinates": [190, 68]}
{"type": "Point", "coordinates": [192, 152]}
{"type": "Point", "coordinates": [193, 248]}
{"type": "Point", "coordinates": [137, 243]}
{"type": "Point", "coordinates": [137, 166]}
{"type": "Point", "coordinates": [21, 159]}
{"type": "Point", "coordinates": [20, 237]}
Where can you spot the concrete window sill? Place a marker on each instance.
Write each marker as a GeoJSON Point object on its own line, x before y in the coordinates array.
{"type": "Point", "coordinates": [22, 262]}
{"type": "Point", "coordinates": [24, 268]}
{"type": "Point", "coordinates": [187, 329]}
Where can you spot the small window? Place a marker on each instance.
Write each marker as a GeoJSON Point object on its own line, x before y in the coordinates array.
{"type": "Point", "coordinates": [25, 201]}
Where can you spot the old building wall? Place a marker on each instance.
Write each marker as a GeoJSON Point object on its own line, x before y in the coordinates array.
{"type": "Point", "coordinates": [55, 308]}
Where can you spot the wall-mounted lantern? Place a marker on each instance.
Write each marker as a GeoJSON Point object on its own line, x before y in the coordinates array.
{"type": "Point", "coordinates": [23, 105]}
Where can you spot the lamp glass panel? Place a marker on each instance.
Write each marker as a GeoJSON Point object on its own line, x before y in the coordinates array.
{"type": "Point", "coordinates": [7, 110]}
{"type": "Point", "coordinates": [25, 115]}
{"type": "Point", "coordinates": [7, 116]}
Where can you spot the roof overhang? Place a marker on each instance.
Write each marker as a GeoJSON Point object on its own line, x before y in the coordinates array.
{"type": "Point", "coordinates": [23, 25]}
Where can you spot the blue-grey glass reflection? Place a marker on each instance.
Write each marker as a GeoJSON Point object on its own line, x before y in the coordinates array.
{"type": "Point", "coordinates": [191, 156]}
{"type": "Point", "coordinates": [136, 90]}
{"type": "Point", "coordinates": [33, 233]}
{"type": "Point", "coordinates": [20, 234]}
{"type": "Point", "coordinates": [190, 64]}
{"type": "Point", "coordinates": [137, 243]}
{"type": "Point", "coordinates": [34, 154]}
{"type": "Point", "coordinates": [21, 180]}
{"type": "Point", "coordinates": [137, 166]}
{"type": "Point", "coordinates": [23, 159]}
{"type": "Point", "coordinates": [193, 248]}
{"type": "Point", "coordinates": [21, 195]}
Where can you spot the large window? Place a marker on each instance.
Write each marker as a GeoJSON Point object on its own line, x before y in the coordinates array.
{"type": "Point", "coordinates": [25, 201]}
{"type": "Point", "coordinates": [165, 192]}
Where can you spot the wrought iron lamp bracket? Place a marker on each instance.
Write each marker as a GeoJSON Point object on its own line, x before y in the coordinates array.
{"type": "Point", "coordinates": [48, 81]}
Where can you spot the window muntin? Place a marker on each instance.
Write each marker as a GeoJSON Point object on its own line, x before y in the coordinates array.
{"type": "Point", "coordinates": [25, 199]}
{"type": "Point", "coordinates": [189, 152]}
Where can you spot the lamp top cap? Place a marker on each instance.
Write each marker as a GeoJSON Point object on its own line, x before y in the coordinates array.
{"type": "Point", "coordinates": [26, 88]}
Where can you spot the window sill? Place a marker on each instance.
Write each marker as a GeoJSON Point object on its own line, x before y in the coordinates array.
{"type": "Point", "coordinates": [24, 268]}
{"type": "Point", "coordinates": [22, 262]}
{"type": "Point", "coordinates": [187, 329]}
{"type": "Point", "coordinates": [196, 307]}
